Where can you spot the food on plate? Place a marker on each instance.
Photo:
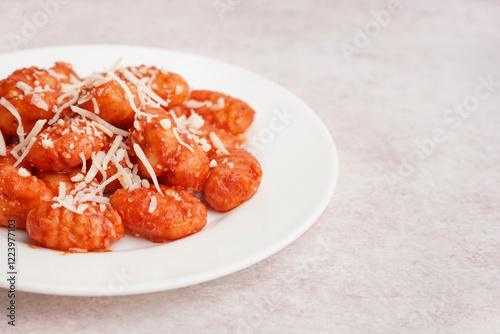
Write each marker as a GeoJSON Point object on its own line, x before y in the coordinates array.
{"type": "Point", "coordinates": [233, 180]}
{"type": "Point", "coordinates": [172, 153]}
{"type": "Point", "coordinates": [20, 192]}
{"type": "Point", "coordinates": [169, 215]}
{"type": "Point", "coordinates": [54, 226]}
{"type": "Point", "coordinates": [223, 111]}
{"type": "Point", "coordinates": [83, 157]}
{"type": "Point", "coordinates": [65, 145]}
{"type": "Point", "coordinates": [32, 94]}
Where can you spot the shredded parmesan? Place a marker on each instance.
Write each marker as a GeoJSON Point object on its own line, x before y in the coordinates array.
{"type": "Point", "coordinates": [140, 154]}
{"type": "Point", "coordinates": [104, 129]}
{"type": "Point", "coordinates": [213, 163]}
{"type": "Point", "coordinates": [62, 189]}
{"type": "Point", "coordinates": [96, 166]}
{"type": "Point", "coordinates": [152, 204]}
{"type": "Point", "coordinates": [3, 147]}
{"type": "Point", "coordinates": [74, 97]}
{"type": "Point", "coordinates": [97, 119]}
{"type": "Point", "coordinates": [193, 104]}
{"type": "Point", "coordinates": [128, 93]}
{"type": "Point", "coordinates": [145, 183]}
{"type": "Point", "coordinates": [218, 143]}
{"type": "Point", "coordinates": [38, 101]}
{"type": "Point", "coordinates": [219, 105]}
{"type": "Point", "coordinates": [84, 162]}
{"type": "Point", "coordinates": [92, 195]}
{"type": "Point", "coordinates": [111, 151]}
{"type": "Point", "coordinates": [22, 144]}
{"type": "Point", "coordinates": [231, 165]}
{"type": "Point", "coordinates": [176, 134]}
{"type": "Point", "coordinates": [23, 172]}
{"type": "Point", "coordinates": [96, 106]}
{"type": "Point", "coordinates": [25, 153]}
{"type": "Point", "coordinates": [134, 80]}
{"type": "Point", "coordinates": [166, 123]}
{"type": "Point", "coordinates": [47, 143]}
{"type": "Point", "coordinates": [15, 113]}
{"type": "Point", "coordinates": [24, 87]}
{"type": "Point", "coordinates": [77, 178]}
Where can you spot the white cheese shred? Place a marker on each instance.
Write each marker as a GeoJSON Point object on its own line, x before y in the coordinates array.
{"type": "Point", "coordinates": [218, 143]}
{"type": "Point", "coordinates": [15, 113]}
{"type": "Point", "coordinates": [152, 204]}
{"type": "Point", "coordinates": [38, 101]}
{"type": "Point", "coordinates": [25, 153]}
{"type": "Point", "coordinates": [134, 80]}
{"type": "Point", "coordinates": [3, 147]}
{"type": "Point", "coordinates": [140, 154]}
{"type": "Point", "coordinates": [166, 123]}
{"type": "Point", "coordinates": [23, 172]}
{"type": "Point", "coordinates": [180, 140]}
{"type": "Point", "coordinates": [35, 131]}
{"type": "Point", "coordinates": [97, 119]}
{"type": "Point", "coordinates": [84, 163]}
{"type": "Point", "coordinates": [112, 151]}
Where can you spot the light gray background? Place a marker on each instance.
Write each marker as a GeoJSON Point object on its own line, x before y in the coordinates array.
{"type": "Point", "coordinates": [417, 253]}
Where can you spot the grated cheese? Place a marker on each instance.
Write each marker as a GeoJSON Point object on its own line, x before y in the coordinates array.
{"type": "Point", "coordinates": [104, 129]}
{"type": "Point", "coordinates": [22, 144]}
{"type": "Point", "coordinates": [77, 178]}
{"type": "Point", "coordinates": [84, 98]}
{"type": "Point", "coordinates": [231, 165]}
{"type": "Point", "coordinates": [97, 119]}
{"type": "Point", "coordinates": [128, 93]}
{"type": "Point", "coordinates": [194, 104]}
{"type": "Point", "coordinates": [218, 143]}
{"type": "Point", "coordinates": [74, 97]}
{"type": "Point", "coordinates": [62, 189]}
{"type": "Point", "coordinates": [145, 183]}
{"type": "Point", "coordinates": [111, 151]}
{"type": "Point", "coordinates": [24, 87]}
{"type": "Point", "coordinates": [213, 163]}
{"type": "Point", "coordinates": [140, 154]}
{"type": "Point", "coordinates": [125, 175]}
{"type": "Point", "coordinates": [92, 195]}
{"type": "Point", "coordinates": [176, 134]}
{"type": "Point", "coordinates": [23, 172]}
{"type": "Point", "coordinates": [96, 106]}
{"type": "Point", "coordinates": [15, 113]}
{"type": "Point", "coordinates": [39, 102]}
{"type": "Point", "coordinates": [138, 83]}
{"type": "Point", "coordinates": [219, 105]}
{"type": "Point", "coordinates": [47, 143]}
{"type": "Point", "coordinates": [166, 124]}
{"type": "Point", "coordinates": [96, 166]}
{"type": "Point", "coordinates": [84, 162]}
{"type": "Point", "coordinates": [3, 147]}
{"type": "Point", "coordinates": [152, 204]}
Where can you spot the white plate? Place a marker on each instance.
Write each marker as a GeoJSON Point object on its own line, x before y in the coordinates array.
{"type": "Point", "coordinates": [296, 152]}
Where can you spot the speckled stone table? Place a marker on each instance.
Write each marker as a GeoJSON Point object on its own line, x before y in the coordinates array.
{"type": "Point", "coordinates": [410, 91]}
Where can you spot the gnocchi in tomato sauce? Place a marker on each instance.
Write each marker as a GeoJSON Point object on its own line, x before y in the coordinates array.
{"type": "Point", "coordinates": [83, 159]}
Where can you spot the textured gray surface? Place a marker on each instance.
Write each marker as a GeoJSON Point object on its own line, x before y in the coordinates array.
{"type": "Point", "coordinates": [417, 253]}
